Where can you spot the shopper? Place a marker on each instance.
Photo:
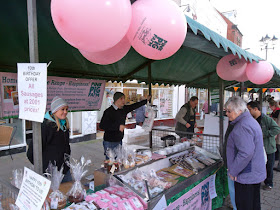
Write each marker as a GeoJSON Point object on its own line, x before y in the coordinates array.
{"type": "Point", "coordinates": [186, 118]}
{"type": "Point", "coordinates": [270, 129]}
{"type": "Point", "coordinates": [140, 113]}
{"type": "Point", "coordinates": [230, 181]}
{"type": "Point", "coordinates": [55, 138]}
{"type": "Point", "coordinates": [273, 105]}
{"type": "Point", "coordinates": [245, 156]}
{"type": "Point", "coordinates": [113, 120]}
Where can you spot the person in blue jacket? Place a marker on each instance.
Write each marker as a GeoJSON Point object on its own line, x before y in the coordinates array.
{"type": "Point", "coordinates": [245, 155]}
{"type": "Point", "coordinates": [140, 114]}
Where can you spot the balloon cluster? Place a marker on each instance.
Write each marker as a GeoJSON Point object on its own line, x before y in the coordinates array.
{"type": "Point", "coordinates": [231, 67]}
{"type": "Point", "coordinates": [104, 31]}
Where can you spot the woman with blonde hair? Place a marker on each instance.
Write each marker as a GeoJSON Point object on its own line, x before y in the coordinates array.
{"type": "Point", "coordinates": [55, 138]}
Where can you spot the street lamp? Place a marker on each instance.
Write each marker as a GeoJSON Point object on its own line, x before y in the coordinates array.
{"type": "Point", "coordinates": [265, 43]}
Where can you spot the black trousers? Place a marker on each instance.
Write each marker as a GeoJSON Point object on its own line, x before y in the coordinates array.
{"type": "Point", "coordinates": [247, 196]}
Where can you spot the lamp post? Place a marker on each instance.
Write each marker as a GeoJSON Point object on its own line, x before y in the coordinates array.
{"type": "Point", "coordinates": [265, 43]}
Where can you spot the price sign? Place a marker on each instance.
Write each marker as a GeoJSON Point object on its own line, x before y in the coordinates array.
{"type": "Point", "coordinates": [32, 91]}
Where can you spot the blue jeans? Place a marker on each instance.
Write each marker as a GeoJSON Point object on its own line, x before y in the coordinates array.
{"type": "Point", "coordinates": [269, 169]}
{"type": "Point", "coordinates": [231, 193]}
{"type": "Point", "coordinates": [67, 177]}
{"type": "Point", "coordinates": [111, 145]}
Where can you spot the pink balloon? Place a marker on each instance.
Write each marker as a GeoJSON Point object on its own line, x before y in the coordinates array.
{"type": "Point", "coordinates": [242, 78]}
{"type": "Point", "coordinates": [91, 25]}
{"type": "Point", "coordinates": [109, 56]}
{"type": "Point", "coordinates": [259, 73]}
{"type": "Point", "coordinates": [231, 67]}
{"type": "Point", "coordinates": [158, 28]}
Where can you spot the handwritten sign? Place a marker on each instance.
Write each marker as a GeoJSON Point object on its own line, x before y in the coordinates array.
{"type": "Point", "coordinates": [32, 91]}
{"type": "Point", "coordinates": [33, 191]}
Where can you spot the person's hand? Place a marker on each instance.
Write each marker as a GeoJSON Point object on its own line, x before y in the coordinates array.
{"type": "Point", "coordinates": [232, 177]}
{"type": "Point", "coordinates": [195, 125]}
{"type": "Point", "coordinates": [122, 127]}
{"type": "Point", "coordinates": [188, 125]}
{"type": "Point", "coordinates": [149, 97]}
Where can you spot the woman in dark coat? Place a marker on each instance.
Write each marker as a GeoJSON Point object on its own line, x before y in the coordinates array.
{"type": "Point", "coordinates": [55, 138]}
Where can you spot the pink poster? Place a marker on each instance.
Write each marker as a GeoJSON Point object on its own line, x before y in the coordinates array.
{"type": "Point", "coordinates": [9, 95]}
{"type": "Point", "coordinates": [196, 198]}
{"type": "Point", "coordinates": [80, 94]}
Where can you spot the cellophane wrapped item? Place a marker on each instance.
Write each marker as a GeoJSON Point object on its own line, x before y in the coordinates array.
{"type": "Point", "coordinates": [111, 154]}
{"type": "Point", "coordinates": [119, 155]}
{"type": "Point", "coordinates": [56, 199]}
{"type": "Point", "coordinates": [17, 177]}
{"type": "Point", "coordinates": [77, 192]}
{"type": "Point", "coordinates": [14, 207]}
{"type": "Point", "coordinates": [44, 207]}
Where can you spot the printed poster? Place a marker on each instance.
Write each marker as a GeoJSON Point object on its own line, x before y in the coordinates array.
{"type": "Point", "coordinates": [80, 94]}
{"type": "Point", "coordinates": [196, 198]}
{"type": "Point", "coordinates": [9, 95]}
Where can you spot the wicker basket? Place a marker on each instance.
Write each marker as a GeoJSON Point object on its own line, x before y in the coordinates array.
{"type": "Point", "coordinates": [5, 135]}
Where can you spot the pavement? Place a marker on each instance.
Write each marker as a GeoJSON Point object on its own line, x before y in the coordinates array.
{"type": "Point", "coordinates": [93, 149]}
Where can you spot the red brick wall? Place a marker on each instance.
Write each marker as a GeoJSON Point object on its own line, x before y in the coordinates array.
{"type": "Point", "coordinates": [233, 34]}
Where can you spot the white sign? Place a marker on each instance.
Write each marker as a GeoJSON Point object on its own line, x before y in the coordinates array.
{"type": "Point", "coordinates": [140, 91]}
{"type": "Point", "coordinates": [212, 187]}
{"type": "Point", "coordinates": [161, 204]}
{"type": "Point", "coordinates": [33, 191]}
{"type": "Point", "coordinates": [32, 91]}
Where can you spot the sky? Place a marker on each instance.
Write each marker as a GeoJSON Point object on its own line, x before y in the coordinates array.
{"type": "Point", "coordinates": [255, 18]}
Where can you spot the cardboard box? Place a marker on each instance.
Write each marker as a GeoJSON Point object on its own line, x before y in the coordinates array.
{"type": "Point", "coordinates": [5, 135]}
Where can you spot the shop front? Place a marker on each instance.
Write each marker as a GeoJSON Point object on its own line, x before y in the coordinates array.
{"type": "Point", "coordinates": [164, 100]}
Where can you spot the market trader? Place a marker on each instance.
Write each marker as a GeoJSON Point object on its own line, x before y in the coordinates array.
{"type": "Point", "coordinates": [186, 118]}
{"type": "Point", "coordinates": [113, 120]}
{"type": "Point", "coordinates": [270, 129]}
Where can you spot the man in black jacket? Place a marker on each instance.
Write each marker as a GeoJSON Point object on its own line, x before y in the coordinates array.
{"type": "Point", "coordinates": [113, 120]}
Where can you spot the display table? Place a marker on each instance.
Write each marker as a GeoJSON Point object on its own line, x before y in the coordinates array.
{"type": "Point", "coordinates": [176, 191]}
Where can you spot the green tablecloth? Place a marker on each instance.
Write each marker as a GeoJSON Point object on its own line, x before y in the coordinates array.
{"type": "Point", "coordinates": [221, 188]}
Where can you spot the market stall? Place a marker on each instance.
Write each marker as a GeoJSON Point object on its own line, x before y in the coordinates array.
{"type": "Point", "coordinates": [197, 58]}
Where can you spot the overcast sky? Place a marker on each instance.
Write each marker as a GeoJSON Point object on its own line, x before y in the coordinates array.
{"type": "Point", "coordinates": [255, 18]}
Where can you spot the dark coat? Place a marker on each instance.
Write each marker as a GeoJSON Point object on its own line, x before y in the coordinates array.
{"type": "Point", "coordinates": [112, 119]}
{"type": "Point", "coordinates": [54, 145]}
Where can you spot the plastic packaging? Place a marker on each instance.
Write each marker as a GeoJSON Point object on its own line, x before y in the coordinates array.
{"type": "Point", "coordinates": [76, 193]}
{"type": "Point", "coordinates": [56, 199]}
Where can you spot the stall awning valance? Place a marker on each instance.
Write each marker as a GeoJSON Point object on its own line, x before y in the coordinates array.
{"type": "Point", "coordinates": [194, 64]}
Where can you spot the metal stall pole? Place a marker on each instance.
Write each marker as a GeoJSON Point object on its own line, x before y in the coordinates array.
{"type": "Point", "coordinates": [221, 90]}
{"type": "Point", "coordinates": [261, 97]}
{"type": "Point", "coordinates": [208, 94]}
{"type": "Point", "coordinates": [242, 86]}
{"type": "Point", "coordinates": [34, 58]}
{"type": "Point", "coordinates": [150, 93]}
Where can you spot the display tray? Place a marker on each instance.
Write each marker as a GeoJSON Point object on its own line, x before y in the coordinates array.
{"type": "Point", "coordinates": [164, 163]}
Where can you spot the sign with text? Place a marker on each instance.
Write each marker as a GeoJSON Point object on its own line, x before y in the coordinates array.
{"type": "Point", "coordinates": [80, 94]}
{"type": "Point", "coordinates": [33, 191]}
{"type": "Point", "coordinates": [215, 96]}
{"type": "Point", "coordinates": [9, 94]}
{"type": "Point", "coordinates": [32, 91]}
{"type": "Point", "coordinates": [196, 198]}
